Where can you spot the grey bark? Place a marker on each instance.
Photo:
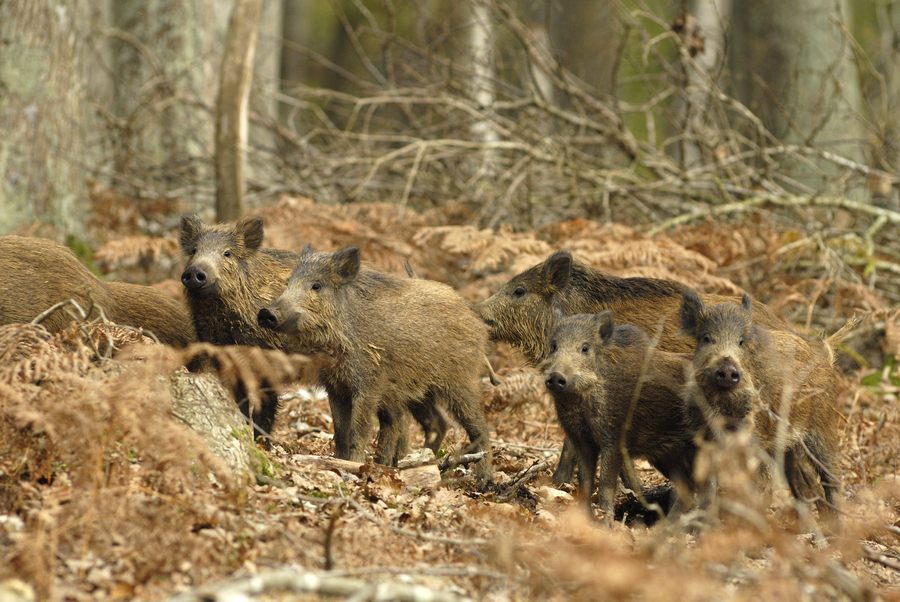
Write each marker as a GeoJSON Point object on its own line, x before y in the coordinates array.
{"type": "Point", "coordinates": [204, 405]}
{"type": "Point", "coordinates": [793, 67]}
{"type": "Point", "coordinates": [711, 20]}
{"type": "Point", "coordinates": [164, 64]}
{"type": "Point", "coordinates": [41, 115]}
{"type": "Point", "coordinates": [483, 89]}
{"type": "Point", "coordinates": [586, 35]}
{"type": "Point", "coordinates": [231, 108]}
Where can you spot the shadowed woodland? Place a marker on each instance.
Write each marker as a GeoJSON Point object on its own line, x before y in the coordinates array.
{"type": "Point", "coordinates": [724, 147]}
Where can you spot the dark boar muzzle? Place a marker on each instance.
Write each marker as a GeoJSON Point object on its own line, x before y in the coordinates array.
{"type": "Point", "coordinates": [727, 376]}
{"type": "Point", "coordinates": [269, 318]}
{"type": "Point", "coordinates": [556, 382]}
{"type": "Point", "coordinates": [195, 278]}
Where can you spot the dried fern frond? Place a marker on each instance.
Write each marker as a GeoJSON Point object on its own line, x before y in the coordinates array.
{"type": "Point", "coordinates": [138, 251]}
{"type": "Point", "coordinates": [250, 371]}
{"type": "Point", "coordinates": [517, 386]}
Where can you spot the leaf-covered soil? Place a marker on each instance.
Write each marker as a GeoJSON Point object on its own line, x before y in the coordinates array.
{"type": "Point", "coordinates": [105, 495]}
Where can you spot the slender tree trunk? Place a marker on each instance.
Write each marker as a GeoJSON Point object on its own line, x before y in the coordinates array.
{"type": "Point", "coordinates": [586, 35]}
{"type": "Point", "coordinates": [706, 20]}
{"type": "Point", "coordinates": [537, 14]}
{"type": "Point", "coordinates": [481, 46]}
{"type": "Point", "coordinates": [231, 108]}
{"type": "Point", "coordinates": [41, 115]}
{"type": "Point", "coordinates": [294, 25]}
{"type": "Point", "coordinates": [794, 68]}
{"type": "Point", "coordinates": [266, 76]}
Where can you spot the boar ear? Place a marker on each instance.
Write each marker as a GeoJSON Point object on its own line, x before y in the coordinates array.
{"type": "Point", "coordinates": [746, 305]}
{"type": "Point", "coordinates": [691, 313]}
{"type": "Point", "coordinates": [605, 325]}
{"type": "Point", "coordinates": [307, 250]}
{"type": "Point", "coordinates": [346, 262]}
{"type": "Point", "coordinates": [251, 231]}
{"type": "Point", "coordinates": [191, 226]}
{"type": "Point", "coordinates": [558, 270]}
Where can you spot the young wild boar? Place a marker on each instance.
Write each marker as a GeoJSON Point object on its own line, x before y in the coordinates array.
{"type": "Point", "coordinates": [522, 312]}
{"type": "Point", "coordinates": [395, 342]}
{"type": "Point", "coordinates": [598, 373]}
{"type": "Point", "coordinates": [41, 273]}
{"type": "Point", "coordinates": [228, 277]}
{"type": "Point", "coordinates": [774, 381]}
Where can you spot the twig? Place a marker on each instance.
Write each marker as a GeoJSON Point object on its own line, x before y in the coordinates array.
{"type": "Point", "coordinates": [452, 461]}
{"type": "Point", "coordinates": [881, 559]}
{"type": "Point", "coordinates": [783, 201]}
{"type": "Point", "coordinates": [520, 479]}
{"type": "Point", "coordinates": [309, 582]}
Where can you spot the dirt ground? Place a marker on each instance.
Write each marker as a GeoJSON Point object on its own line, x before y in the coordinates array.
{"type": "Point", "coordinates": [104, 495]}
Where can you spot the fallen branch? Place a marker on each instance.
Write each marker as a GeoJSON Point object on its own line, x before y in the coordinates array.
{"type": "Point", "coordinates": [781, 201]}
{"type": "Point", "coordinates": [309, 582]}
{"type": "Point", "coordinates": [529, 474]}
{"type": "Point", "coordinates": [452, 461]}
{"type": "Point", "coordinates": [425, 476]}
{"type": "Point", "coordinates": [881, 559]}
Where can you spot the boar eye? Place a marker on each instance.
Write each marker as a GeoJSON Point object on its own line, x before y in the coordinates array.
{"type": "Point", "coordinates": [227, 253]}
{"type": "Point", "coordinates": [316, 286]}
{"type": "Point", "coordinates": [585, 348]}
{"type": "Point", "coordinates": [193, 250]}
{"type": "Point", "coordinates": [552, 346]}
{"type": "Point", "coordinates": [707, 338]}
{"type": "Point", "coordinates": [741, 342]}
{"type": "Point", "coordinates": [519, 292]}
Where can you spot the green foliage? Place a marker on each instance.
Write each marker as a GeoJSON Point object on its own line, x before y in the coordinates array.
{"type": "Point", "coordinates": [83, 252]}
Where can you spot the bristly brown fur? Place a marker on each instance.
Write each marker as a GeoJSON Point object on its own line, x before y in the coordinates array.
{"type": "Point", "coordinates": [42, 273]}
{"type": "Point", "coordinates": [787, 392]}
{"type": "Point", "coordinates": [649, 303]}
{"type": "Point", "coordinates": [397, 343]}
{"type": "Point", "coordinates": [609, 372]}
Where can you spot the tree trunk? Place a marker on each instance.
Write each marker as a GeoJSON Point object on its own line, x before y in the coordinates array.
{"type": "Point", "coordinates": [41, 115]}
{"type": "Point", "coordinates": [793, 67]}
{"type": "Point", "coordinates": [203, 404]}
{"type": "Point", "coordinates": [164, 57]}
{"type": "Point", "coordinates": [481, 46]}
{"type": "Point", "coordinates": [707, 20]}
{"type": "Point", "coordinates": [231, 108]}
{"type": "Point", "coordinates": [585, 35]}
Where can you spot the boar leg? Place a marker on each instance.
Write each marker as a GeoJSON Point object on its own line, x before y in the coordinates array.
{"type": "Point", "coordinates": [362, 416]}
{"type": "Point", "coordinates": [565, 469]}
{"type": "Point", "coordinates": [430, 417]}
{"type": "Point", "coordinates": [587, 469]}
{"type": "Point", "coordinates": [464, 404]}
{"type": "Point", "coordinates": [824, 459]}
{"type": "Point", "coordinates": [340, 401]}
{"type": "Point", "coordinates": [610, 467]}
{"type": "Point", "coordinates": [393, 437]}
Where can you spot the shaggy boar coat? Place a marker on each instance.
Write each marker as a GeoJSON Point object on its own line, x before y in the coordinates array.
{"type": "Point", "coordinates": [612, 393]}
{"type": "Point", "coordinates": [395, 343]}
{"type": "Point", "coordinates": [227, 278]}
{"type": "Point", "coordinates": [523, 311]}
{"type": "Point", "coordinates": [41, 273]}
{"type": "Point", "coordinates": [771, 380]}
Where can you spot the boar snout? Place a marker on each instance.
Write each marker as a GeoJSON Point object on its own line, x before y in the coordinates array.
{"type": "Point", "coordinates": [270, 317]}
{"type": "Point", "coordinates": [195, 278]}
{"type": "Point", "coordinates": [556, 382]}
{"type": "Point", "coordinates": [727, 376]}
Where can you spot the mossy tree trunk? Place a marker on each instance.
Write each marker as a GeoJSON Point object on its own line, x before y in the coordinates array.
{"type": "Point", "coordinates": [793, 66]}
{"type": "Point", "coordinates": [41, 115]}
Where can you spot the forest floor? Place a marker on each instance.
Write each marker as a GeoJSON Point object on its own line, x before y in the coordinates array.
{"type": "Point", "coordinates": [105, 495]}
